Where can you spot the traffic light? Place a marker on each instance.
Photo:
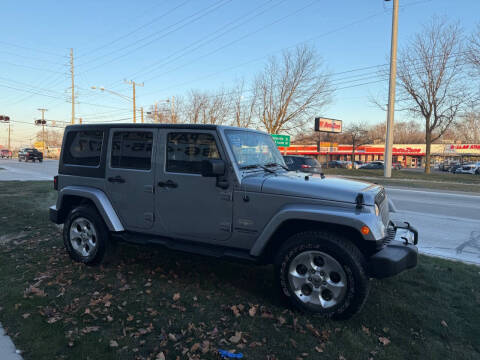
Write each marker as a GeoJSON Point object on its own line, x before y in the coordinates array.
{"type": "Point", "coordinates": [4, 118]}
{"type": "Point", "coordinates": [40, 122]}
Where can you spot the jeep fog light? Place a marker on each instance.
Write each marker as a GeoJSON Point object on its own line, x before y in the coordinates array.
{"type": "Point", "coordinates": [377, 210]}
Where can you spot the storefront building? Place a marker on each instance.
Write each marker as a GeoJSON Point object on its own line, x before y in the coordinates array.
{"type": "Point", "coordinates": [409, 155]}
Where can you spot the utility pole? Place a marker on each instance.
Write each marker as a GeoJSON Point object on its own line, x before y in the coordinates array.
{"type": "Point", "coordinates": [43, 130]}
{"type": "Point", "coordinates": [133, 83]}
{"type": "Point", "coordinates": [141, 112]}
{"type": "Point", "coordinates": [387, 171]}
{"type": "Point", "coordinates": [72, 71]}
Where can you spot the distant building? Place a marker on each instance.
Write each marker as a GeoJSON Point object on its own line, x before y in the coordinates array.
{"type": "Point", "coordinates": [409, 155]}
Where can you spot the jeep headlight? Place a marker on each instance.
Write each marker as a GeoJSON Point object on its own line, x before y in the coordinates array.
{"type": "Point", "coordinates": [377, 210]}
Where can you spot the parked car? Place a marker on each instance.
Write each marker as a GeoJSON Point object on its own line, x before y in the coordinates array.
{"type": "Point", "coordinates": [5, 154]}
{"type": "Point", "coordinates": [454, 166]}
{"type": "Point", "coordinates": [303, 164]}
{"type": "Point", "coordinates": [337, 164]}
{"type": "Point", "coordinates": [224, 192]}
{"type": "Point", "coordinates": [468, 168]}
{"type": "Point", "coordinates": [32, 154]}
{"type": "Point", "coordinates": [374, 165]}
{"type": "Point", "coordinates": [358, 164]}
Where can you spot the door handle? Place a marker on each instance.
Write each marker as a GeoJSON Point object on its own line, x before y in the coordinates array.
{"type": "Point", "coordinates": [117, 179]}
{"type": "Point", "coordinates": [168, 183]}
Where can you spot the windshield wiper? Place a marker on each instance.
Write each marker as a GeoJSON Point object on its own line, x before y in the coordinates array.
{"type": "Point", "coordinates": [254, 166]}
{"type": "Point", "coordinates": [277, 164]}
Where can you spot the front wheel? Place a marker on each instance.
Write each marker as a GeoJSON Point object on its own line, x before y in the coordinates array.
{"type": "Point", "coordinates": [323, 273]}
{"type": "Point", "coordinates": [86, 236]}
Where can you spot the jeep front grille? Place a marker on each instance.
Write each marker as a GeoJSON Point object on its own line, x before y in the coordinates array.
{"type": "Point", "coordinates": [382, 203]}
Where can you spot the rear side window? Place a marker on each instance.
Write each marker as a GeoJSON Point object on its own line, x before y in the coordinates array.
{"type": "Point", "coordinates": [83, 148]}
{"type": "Point", "coordinates": [132, 150]}
{"type": "Point", "coordinates": [186, 151]}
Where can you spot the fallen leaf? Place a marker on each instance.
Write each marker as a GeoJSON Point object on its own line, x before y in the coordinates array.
{"type": "Point", "coordinates": [235, 310]}
{"type": "Point", "coordinates": [444, 323]}
{"type": "Point", "coordinates": [160, 356]}
{"type": "Point", "coordinates": [113, 343]}
{"type": "Point", "coordinates": [281, 320]}
{"type": "Point", "coordinates": [235, 339]}
{"type": "Point", "coordinates": [176, 296]}
{"type": "Point", "coordinates": [90, 329]}
{"type": "Point", "coordinates": [195, 347]}
{"type": "Point", "coordinates": [172, 337]}
{"type": "Point", "coordinates": [366, 330]}
{"type": "Point", "coordinates": [384, 340]}
{"type": "Point", "coordinates": [25, 316]}
{"type": "Point", "coordinates": [293, 342]}
{"type": "Point", "coordinates": [318, 349]}
{"type": "Point", "coordinates": [252, 311]}
{"type": "Point", "coordinates": [109, 318]}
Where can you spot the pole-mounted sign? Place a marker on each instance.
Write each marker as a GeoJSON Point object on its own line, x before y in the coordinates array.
{"type": "Point", "coordinates": [4, 118]}
{"type": "Point", "coordinates": [328, 125]}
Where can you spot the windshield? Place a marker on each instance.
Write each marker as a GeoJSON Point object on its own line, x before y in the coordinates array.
{"type": "Point", "coordinates": [253, 149]}
{"type": "Point", "coordinates": [312, 162]}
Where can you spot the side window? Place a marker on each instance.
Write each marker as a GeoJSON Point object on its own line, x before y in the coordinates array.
{"type": "Point", "coordinates": [186, 151]}
{"type": "Point", "coordinates": [288, 161]}
{"type": "Point", "coordinates": [83, 148]}
{"type": "Point", "coordinates": [132, 150]}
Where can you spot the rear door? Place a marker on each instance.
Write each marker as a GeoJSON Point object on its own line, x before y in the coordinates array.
{"type": "Point", "coordinates": [130, 176]}
{"type": "Point", "coordinates": [189, 205]}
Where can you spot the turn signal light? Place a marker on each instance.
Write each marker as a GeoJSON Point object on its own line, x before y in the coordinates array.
{"type": "Point", "coordinates": [365, 230]}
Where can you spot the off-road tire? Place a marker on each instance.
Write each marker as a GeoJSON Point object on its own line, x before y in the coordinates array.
{"type": "Point", "coordinates": [344, 252]}
{"type": "Point", "coordinates": [105, 245]}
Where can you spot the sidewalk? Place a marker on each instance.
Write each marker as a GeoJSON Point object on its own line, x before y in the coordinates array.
{"type": "Point", "coordinates": [7, 348]}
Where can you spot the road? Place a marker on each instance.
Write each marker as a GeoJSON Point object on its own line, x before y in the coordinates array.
{"type": "Point", "coordinates": [27, 171]}
{"type": "Point", "coordinates": [448, 222]}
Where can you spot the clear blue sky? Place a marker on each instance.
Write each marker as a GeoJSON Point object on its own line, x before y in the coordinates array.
{"type": "Point", "coordinates": [177, 45]}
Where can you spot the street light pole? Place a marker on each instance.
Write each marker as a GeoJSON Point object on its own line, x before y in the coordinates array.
{"type": "Point", "coordinates": [387, 172]}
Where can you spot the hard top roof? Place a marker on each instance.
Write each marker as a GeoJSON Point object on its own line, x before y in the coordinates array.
{"type": "Point", "coordinates": [162, 126]}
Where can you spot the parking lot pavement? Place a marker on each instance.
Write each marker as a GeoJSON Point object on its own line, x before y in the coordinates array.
{"type": "Point", "coordinates": [448, 223]}
{"type": "Point", "coordinates": [15, 170]}
{"type": "Point", "coordinates": [7, 348]}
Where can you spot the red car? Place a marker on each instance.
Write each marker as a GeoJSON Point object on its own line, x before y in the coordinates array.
{"type": "Point", "coordinates": [5, 154]}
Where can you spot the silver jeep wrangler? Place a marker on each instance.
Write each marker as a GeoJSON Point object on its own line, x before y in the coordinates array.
{"type": "Point", "coordinates": [226, 192]}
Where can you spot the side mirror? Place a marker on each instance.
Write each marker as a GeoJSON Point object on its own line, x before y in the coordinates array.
{"type": "Point", "coordinates": [213, 168]}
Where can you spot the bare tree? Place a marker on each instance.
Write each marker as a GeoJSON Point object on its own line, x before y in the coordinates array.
{"type": "Point", "coordinates": [243, 106]}
{"type": "Point", "coordinates": [404, 132]}
{"type": "Point", "coordinates": [430, 79]}
{"type": "Point", "coordinates": [468, 128]}
{"type": "Point", "coordinates": [205, 108]}
{"type": "Point", "coordinates": [473, 49]}
{"type": "Point", "coordinates": [291, 90]}
{"type": "Point", "coordinates": [358, 135]}
{"type": "Point", "coordinates": [53, 138]}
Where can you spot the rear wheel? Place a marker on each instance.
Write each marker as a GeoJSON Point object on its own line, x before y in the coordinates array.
{"type": "Point", "coordinates": [86, 236]}
{"type": "Point", "coordinates": [323, 273]}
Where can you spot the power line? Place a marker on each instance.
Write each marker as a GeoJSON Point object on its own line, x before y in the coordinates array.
{"type": "Point", "coordinates": [236, 40]}
{"type": "Point", "coordinates": [208, 10]}
{"type": "Point", "coordinates": [199, 43]}
{"type": "Point", "coordinates": [133, 31]}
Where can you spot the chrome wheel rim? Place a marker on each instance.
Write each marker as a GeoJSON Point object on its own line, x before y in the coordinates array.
{"type": "Point", "coordinates": [83, 237]}
{"type": "Point", "coordinates": [316, 278]}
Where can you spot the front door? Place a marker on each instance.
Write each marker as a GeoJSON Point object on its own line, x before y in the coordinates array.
{"type": "Point", "coordinates": [130, 176]}
{"type": "Point", "coordinates": [189, 205]}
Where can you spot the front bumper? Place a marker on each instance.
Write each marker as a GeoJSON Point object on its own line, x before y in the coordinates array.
{"type": "Point", "coordinates": [398, 254]}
